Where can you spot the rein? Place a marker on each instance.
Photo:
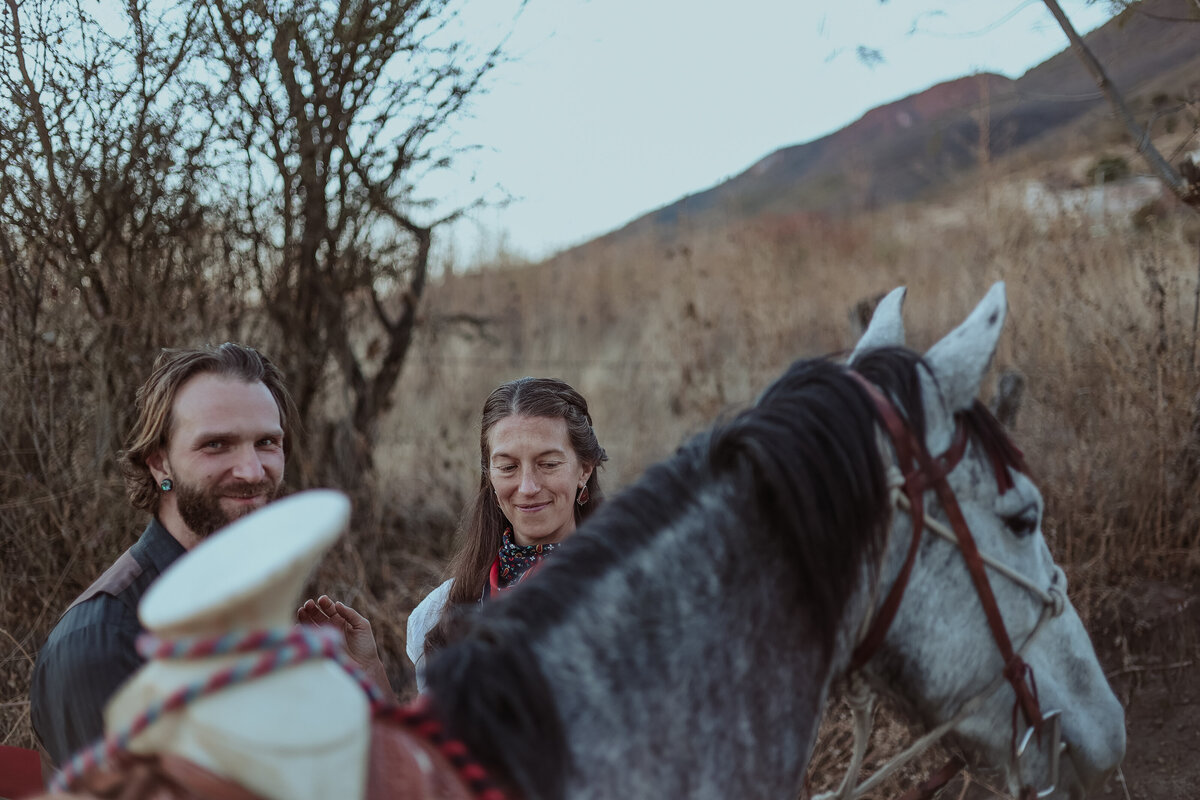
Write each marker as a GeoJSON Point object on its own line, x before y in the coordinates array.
{"type": "Point", "coordinates": [914, 473]}
{"type": "Point", "coordinates": [269, 651]}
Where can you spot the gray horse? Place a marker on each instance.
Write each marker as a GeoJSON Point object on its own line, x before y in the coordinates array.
{"type": "Point", "coordinates": [684, 642]}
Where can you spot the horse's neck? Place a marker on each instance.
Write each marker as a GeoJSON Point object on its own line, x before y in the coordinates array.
{"type": "Point", "coordinates": [691, 671]}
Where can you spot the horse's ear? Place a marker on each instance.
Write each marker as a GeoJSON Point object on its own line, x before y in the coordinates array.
{"type": "Point", "coordinates": [887, 325]}
{"type": "Point", "coordinates": [961, 358]}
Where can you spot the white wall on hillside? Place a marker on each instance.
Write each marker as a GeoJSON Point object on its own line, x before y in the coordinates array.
{"type": "Point", "coordinates": [1107, 203]}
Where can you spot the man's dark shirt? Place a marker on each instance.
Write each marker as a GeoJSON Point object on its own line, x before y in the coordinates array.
{"type": "Point", "coordinates": [91, 651]}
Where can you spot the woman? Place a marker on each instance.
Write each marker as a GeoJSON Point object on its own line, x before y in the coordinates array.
{"type": "Point", "coordinates": [538, 481]}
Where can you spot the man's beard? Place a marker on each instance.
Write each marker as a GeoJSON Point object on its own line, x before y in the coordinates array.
{"type": "Point", "coordinates": [201, 508]}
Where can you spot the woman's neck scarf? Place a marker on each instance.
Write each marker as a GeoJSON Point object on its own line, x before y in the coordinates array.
{"type": "Point", "coordinates": [517, 559]}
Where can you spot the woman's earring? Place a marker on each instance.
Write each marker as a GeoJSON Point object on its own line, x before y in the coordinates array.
{"type": "Point", "coordinates": [584, 496]}
{"type": "Point", "coordinates": [166, 485]}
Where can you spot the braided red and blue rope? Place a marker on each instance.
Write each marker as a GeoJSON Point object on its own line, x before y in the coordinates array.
{"type": "Point", "coordinates": [271, 650]}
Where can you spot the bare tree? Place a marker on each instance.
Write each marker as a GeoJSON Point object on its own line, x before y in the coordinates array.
{"type": "Point", "coordinates": [1138, 7]}
{"type": "Point", "coordinates": [338, 110]}
{"type": "Point", "coordinates": [108, 251]}
{"type": "Point", "coordinates": [104, 207]}
{"type": "Point", "coordinates": [198, 164]}
{"type": "Point", "coordinates": [105, 226]}
{"type": "Point", "coordinates": [1186, 190]}
{"type": "Point", "coordinates": [1184, 182]}
{"type": "Point", "coordinates": [178, 172]}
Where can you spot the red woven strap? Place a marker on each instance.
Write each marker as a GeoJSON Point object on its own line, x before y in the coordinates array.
{"type": "Point", "coordinates": [420, 717]}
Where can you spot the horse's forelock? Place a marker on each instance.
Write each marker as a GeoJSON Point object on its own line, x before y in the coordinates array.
{"type": "Point", "coordinates": [990, 435]}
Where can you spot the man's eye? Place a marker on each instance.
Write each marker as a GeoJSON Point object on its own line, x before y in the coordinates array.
{"type": "Point", "coordinates": [213, 445]}
{"type": "Point", "coordinates": [270, 441]}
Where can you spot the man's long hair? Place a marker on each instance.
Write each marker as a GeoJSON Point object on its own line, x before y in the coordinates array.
{"type": "Point", "coordinates": [155, 404]}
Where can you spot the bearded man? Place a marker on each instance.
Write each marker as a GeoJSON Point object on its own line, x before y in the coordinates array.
{"type": "Point", "coordinates": [208, 446]}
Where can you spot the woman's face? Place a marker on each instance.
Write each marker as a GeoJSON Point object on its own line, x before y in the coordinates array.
{"type": "Point", "coordinates": [536, 476]}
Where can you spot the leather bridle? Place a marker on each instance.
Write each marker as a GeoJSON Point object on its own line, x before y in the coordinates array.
{"type": "Point", "coordinates": [914, 473]}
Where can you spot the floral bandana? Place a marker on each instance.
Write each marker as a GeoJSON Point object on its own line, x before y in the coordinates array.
{"type": "Point", "coordinates": [516, 559]}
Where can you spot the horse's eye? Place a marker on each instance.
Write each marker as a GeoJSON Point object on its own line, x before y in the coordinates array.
{"type": "Point", "coordinates": [1024, 522]}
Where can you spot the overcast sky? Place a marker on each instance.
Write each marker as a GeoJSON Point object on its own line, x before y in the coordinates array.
{"type": "Point", "coordinates": [613, 108]}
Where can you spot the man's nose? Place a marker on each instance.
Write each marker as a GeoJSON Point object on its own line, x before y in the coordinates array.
{"type": "Point", "coordinates": [248, 466]}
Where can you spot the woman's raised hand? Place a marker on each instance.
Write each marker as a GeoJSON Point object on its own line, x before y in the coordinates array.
{"type": "Point", "coordinates": [360, 639]}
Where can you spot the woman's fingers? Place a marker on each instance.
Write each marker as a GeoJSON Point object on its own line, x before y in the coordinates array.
{"type": "Point", "coordinates": [326, 611]}
{"type": "Point", "coordinates": [352, 618]}
{"type": "Point", "coordinates": [311, 613]}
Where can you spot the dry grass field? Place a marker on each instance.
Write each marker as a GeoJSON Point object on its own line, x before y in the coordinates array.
{"type": "Point", "coordinates": [664, 336]}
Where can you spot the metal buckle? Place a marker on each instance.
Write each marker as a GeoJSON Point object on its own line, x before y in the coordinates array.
{"type": "Point", "coordinates": [1053, 721]}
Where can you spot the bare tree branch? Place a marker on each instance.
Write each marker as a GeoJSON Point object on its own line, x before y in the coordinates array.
{"type": "Point", "coordinates": [1140, 136]}
{"type": "Point", "coordinates": [345, 105]}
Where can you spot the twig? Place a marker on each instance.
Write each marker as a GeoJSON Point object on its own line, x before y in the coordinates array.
{"type": "Point", "coordinates": [22, 720]}
{"type": "Point", "coordinates": [987, 787]}
{"type": "Point", "coordinates": [1148, 668]}
{"type": "Point", "coordinates": [1124, 784]}
{"type": "Point", "coordinates": [1196, 310]}
{"type": "Point", "coordinates": [1140, 137]}
{"type": "Point", "coordinates": [18, 645]}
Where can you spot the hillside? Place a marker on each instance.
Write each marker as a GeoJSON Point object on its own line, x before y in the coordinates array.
{"type": "Point", "coordinates": [912, 147]}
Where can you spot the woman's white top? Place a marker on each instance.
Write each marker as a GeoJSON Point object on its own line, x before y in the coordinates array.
{"type": "Point", "coordinates": [420, 622]}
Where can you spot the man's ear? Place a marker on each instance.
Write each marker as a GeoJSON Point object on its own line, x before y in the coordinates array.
{"type": "Point", "coordinates": [159, 466]}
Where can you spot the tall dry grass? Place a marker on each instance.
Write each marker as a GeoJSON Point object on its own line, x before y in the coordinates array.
{"type": "Point", "coordinates": [664, 336]}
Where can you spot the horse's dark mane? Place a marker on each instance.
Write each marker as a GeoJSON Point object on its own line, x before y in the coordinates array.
{"type": "Point", "coordinates": [801, 465]}
{"type": "Point", "coordinates": [895, 370]}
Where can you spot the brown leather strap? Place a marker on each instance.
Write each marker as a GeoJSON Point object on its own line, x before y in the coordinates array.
{"type": "Point", "coordinates": [909, 452]}
{"type": "Point", "coordinates": [1015, 669]}
{"type": "Point", "coordinates": [903, 442]}
{"type": "Point", "coordinates": [153, 777]}
{"type": "Point", "coordinates": [402, 766]}
{"type": "Point", "coordinates": [921, 471]}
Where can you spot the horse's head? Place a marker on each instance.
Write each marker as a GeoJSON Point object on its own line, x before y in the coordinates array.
{"type": "Point", "coordinates": [942, 656]}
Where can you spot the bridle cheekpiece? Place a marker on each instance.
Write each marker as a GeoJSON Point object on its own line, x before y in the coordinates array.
{"type": "Point", "coordinates": [914, 473]}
